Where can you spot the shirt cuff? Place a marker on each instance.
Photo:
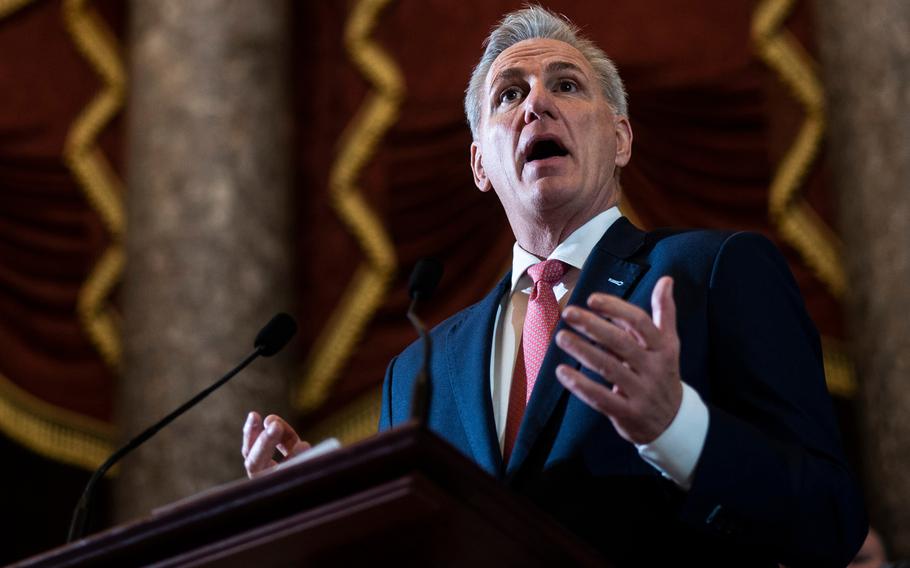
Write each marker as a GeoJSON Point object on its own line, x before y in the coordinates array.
{"type": "Point", "coordinates": [676, 451]}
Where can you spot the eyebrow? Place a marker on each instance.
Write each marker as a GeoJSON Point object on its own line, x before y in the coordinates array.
{"type": "Point", "coordinates": [554, 67]}
{"type": "Point", "coordinates": [514, 72]}
{"type": "Point", "coordinates": [557, 66]}
{"type": "Point", "coordinates": [507, 75]}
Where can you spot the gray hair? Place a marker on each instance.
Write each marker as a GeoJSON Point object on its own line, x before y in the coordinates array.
{"type": "Point", "coordinates": [536, 22]}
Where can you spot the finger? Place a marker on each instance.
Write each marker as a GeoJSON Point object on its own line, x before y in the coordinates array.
{"type": "Point", "coordinates": [627, 327]}
{"type": "Point", "coordinates": [606, 333]}
{"type": "Point", "coordinates": [599, 361]}
{"type": "Point", "coordinates": [260, 456]}
{"type": "Point", "coordinates": [253, 474]}
{"type": "Point", "coordinates": [301, 446]}
{"type": "Point", "coordinates": [595, 395]}
{"type": "Point", "coordinates": [662, 305]}
{"type": "Point", "coordinates": [251, 430]}
{"type": "Point", "coordinates": [288, 441]}
{"type": "Point", "coordinates": [625, 313]}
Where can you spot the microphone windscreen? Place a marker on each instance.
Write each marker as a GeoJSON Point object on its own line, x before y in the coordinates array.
{"type": "Point", "coordinates": [275, 335]}
{"type": "Point", "coordinates": [424, 278]}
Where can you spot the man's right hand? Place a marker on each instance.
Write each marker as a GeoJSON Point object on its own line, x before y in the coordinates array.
{"type": "Point", "coordinates": [262, 437]}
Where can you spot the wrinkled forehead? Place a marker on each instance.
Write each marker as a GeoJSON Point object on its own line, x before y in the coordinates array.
{"type": "Point", "coordinates": [535, 55]}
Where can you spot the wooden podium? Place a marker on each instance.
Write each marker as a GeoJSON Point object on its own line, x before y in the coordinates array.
{"type": "Point", "coordinates": [403, 497]}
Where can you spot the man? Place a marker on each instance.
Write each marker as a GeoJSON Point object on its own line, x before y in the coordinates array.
{"type": "Point", "coordinates": [701, 433]}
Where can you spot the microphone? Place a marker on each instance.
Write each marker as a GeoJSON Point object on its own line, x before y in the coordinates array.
{"type": "Point", "coordinates": [269, 341]}
{"type": "Point", "coordinates": [423, 281]}
{"type": "Point", "coordinates": [275, 335]}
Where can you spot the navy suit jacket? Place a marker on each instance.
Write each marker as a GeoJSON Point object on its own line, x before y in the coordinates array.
{"type": "Point", "coordinates": [771, 484]}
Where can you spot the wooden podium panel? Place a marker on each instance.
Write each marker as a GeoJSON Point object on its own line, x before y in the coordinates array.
{"type": "Point", "coordinates": [403, 497]}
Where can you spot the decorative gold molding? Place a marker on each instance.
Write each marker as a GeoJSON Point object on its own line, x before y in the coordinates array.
{"type": "Point", "coordinates": [51, 431]}
{"type": "Point", "coordinates": [355, 421]}
{"type": "Point", "coordinates": [796, 221]}
{"type": "Point", "coordinates": [94, 174]}
{"type": "Point", "coordinates": [367, 288]}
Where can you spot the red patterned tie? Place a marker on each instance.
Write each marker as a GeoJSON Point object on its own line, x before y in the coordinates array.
{"type": "Point", "coordinates": [540, 321]}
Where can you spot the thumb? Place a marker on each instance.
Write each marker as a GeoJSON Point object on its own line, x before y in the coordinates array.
{"type": "Point", "coordinates": [663, 307]}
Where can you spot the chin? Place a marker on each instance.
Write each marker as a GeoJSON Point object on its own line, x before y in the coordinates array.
{"type": "Point", "coordinates": [551, 192]}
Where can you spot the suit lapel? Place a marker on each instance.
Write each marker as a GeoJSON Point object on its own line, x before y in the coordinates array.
{"type": "Point", "coordinates": [468, 350]}
{"type": "Point", "coordinates": [605, 270]}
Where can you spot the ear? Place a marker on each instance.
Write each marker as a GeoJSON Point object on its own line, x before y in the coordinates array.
{"type": "Point", "coordinates": [480, 175]}
{"type": "Point", "coordinates": [623, 131]}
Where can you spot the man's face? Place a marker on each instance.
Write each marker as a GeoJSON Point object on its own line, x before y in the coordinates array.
{"type": "Point", "coordinates": [548, 142]}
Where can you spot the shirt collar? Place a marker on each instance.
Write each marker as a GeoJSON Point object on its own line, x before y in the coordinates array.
{"type": "Point", "coordinates": [573, 251]}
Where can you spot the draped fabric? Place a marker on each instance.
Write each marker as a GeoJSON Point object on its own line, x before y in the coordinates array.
{"type": "Point", "coordinates": [57, 289]}
{"type": "Point", "coordinates": [52, 236]}
{"type": "Point", "coordinates": [382, 179]}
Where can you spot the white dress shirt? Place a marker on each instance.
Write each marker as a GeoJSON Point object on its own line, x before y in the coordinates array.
{"type": "Point", "coordinates": [676, 451]}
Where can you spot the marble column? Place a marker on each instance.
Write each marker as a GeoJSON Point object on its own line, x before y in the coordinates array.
{"type": "Point", "coordinates": [865, 49]}
{"type": "Point", "coordinates": [208, 236]}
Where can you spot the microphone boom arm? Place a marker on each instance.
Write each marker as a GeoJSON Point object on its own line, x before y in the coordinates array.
{"type": "Point", "coordinates": [420, 396]}
{"type": "Point", "coordinates": [80, 515]}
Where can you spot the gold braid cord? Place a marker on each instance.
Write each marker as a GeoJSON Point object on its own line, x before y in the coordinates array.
{"type": "Point", "coordinates": [7, 7]}
{"type": "Point", "coordinates": [94, 174]}
{"type": "Point", "coordinates": [367, 289]}
{"type": "Point", "coordinates": [839, 371]}
{"type": "Point", "coordinates": [46, 429]}
{"type": "Point", "coordinates": [796, 221]}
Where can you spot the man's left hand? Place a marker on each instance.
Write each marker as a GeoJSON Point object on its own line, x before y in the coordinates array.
{"type": "Point", "coordinates": [638, 354]}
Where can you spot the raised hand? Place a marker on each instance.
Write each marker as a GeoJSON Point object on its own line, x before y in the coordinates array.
{"type": "Point", "coordinates": [262, 437]}
{"type": "Point", "coordinates": [637, 354]}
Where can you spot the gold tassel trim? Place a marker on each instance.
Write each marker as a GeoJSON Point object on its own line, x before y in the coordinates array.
{"type": "Point", "coordinates": [51, 431]}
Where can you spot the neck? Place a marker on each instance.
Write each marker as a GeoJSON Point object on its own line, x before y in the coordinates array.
{"type": "Point", "coordinates": [541, 236]}
{"type": "Point", "coordinates": [540, 231]}
{"type": "Point", "coordinates": [541, 240]}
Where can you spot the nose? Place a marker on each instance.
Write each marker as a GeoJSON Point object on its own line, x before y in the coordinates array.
{"type": "Point", "coordinates": [538, 103]}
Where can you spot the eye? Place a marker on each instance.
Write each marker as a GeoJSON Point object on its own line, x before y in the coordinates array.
{"type": "Point", "coordinates": [509, 95]}
{"type": "Point", "coordinates": [566, 86]}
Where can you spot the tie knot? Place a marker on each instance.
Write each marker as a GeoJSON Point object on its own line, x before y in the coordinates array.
{"type": "Point", "coordinates": [548, 271]}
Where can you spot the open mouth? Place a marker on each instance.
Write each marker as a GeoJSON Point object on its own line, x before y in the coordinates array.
{"type": "Point", "coordinates": [543, 149]}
